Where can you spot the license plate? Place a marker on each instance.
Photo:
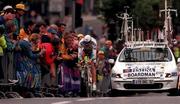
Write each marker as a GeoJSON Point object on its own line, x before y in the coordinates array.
{"type": "Point", "coordinates": [142, 81]}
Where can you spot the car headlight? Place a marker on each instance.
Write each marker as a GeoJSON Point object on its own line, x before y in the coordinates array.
{"type": "Point", "coordinates": [168, 75]}
{"type": "Point", "coordinates": [116, 75]}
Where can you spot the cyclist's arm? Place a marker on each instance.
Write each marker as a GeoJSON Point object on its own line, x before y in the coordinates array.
{"type": "Point", "coordinates": [80, 51]}
{"type": "Point", "coordinates": [93, 58]}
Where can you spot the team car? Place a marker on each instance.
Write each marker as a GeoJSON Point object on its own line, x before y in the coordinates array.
{"type": "Point", "coordinates": [145, 66]}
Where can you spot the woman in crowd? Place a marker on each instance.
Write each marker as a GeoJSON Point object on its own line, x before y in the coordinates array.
{"type": "Point", "coordinates": [27, 71]}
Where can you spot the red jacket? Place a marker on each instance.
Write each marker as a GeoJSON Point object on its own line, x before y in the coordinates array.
{"type": "Point", "coordinates": [49, 59]}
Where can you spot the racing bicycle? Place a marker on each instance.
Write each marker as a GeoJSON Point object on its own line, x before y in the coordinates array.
{"type": "Point", "coordinates": [86, 77]}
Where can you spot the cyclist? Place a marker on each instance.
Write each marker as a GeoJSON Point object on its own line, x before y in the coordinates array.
{"type": "Point", "coordinates": [88, 47]}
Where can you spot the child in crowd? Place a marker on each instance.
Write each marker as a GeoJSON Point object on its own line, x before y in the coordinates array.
{"type": "Point", "coordinates": [103, 73]}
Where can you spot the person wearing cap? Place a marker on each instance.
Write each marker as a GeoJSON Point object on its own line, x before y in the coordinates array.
{"type": "Point", "coordinates": [52, 31]}
{"type": "Point", "coordinates": [103, 73]}
{"type": "Point", "coordinates": [47, 40]}
{"type": "Point", "coordinates": [55, 40]}
{"type": "Point", "coordinates": [8, 14]}
{"type": "Point", "coordinates": [20, 11]}
{"type": "Point", "coordinates": [6, 21]}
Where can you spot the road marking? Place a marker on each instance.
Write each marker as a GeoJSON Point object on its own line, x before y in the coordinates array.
{"type": "Point", "coordinates": [103, 98]}
{"type": "Point", "coordinates": [63, 102]}
{"type": "Point", "coordinates": [85, 99]}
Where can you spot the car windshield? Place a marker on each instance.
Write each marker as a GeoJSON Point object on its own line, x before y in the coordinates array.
{"type": "Point", "coordinates": [145, 55]}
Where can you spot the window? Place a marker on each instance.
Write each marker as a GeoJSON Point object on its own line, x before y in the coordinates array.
{"type": "Point", "coordinates": [145, 55]}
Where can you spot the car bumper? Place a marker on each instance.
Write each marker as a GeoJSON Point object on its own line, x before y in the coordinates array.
{"type": "Point", "coordinates": [157, 85]}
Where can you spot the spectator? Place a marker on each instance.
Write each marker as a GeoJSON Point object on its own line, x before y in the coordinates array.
{"type": "Point", "coordinates": [80, 36]}
{"type": "Point", "coordinates": [40, 28]}
{"type": "Point", "coordinates": [2, 40]}
{"type": "Point", "coordinates": [27, 71]}
{"type": "Point", "coordinates": [109, 51]}
{"type": "Point", "coordinates": [2, 47]}
{"type": "Point", "coordinates": [35, 39]}
{"type": "Point", "coordinates": [20, 11]}
{"type": "Point", "coordinates": [103, 73]}
{"type": "Point", "coordinates": [10, 29]}
{"type": "Point", "coordinates": [69, 76]}
{"type": "Point", "coordinates": [49, 57]}
{"type": "Point", "coordinates": [35, 17]}
{"type": "Point", "coordinates": [8, 14]}
{"type": "Point", "coordinates": [27, 30]}
{"type": "Point", "coordinates": [61, 29]}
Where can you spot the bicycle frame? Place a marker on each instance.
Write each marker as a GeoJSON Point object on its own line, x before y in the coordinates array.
{"type": "Point", "coordinates": [87, 77]}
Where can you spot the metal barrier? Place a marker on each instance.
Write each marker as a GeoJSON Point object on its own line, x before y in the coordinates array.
{"type": "Point", "coordinates": [7, 66]}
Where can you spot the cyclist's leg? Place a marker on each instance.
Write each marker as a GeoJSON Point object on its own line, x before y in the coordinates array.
{"type": "Point", "coordinates": [93, 71]}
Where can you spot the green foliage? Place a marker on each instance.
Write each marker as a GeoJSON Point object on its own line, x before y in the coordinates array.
{"type": "Point", "coordinates": [147, 11]}
{"type": "Point", "coordinates": [111, 7]}
{"type": "Point", "coordinates": [11, 2]}
{"type": "Point", "coordinates": [176, 5]}
{"type": "Point", "coordinates": [14, 2]}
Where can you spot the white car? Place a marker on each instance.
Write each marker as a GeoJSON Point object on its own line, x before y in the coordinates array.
{"type": "Point", "coordinates": [145, 66]}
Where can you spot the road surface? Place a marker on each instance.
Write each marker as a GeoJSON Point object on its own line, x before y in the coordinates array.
{"type": "Point", "coordinates": [146, 98]}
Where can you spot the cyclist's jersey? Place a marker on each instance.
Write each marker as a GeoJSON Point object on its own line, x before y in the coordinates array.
{"type": "Point", "coordinates": [87, 49]}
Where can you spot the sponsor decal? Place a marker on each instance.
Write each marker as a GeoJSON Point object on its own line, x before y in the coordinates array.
{"type": "Point", "coordinates": [144, 69]}
{"type": "Point", "coordinates": [142, 72]}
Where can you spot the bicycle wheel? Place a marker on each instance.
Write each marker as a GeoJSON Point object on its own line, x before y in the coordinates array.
{"type": "Point", "coordinates": [12, 95]}
{"type": "Point", "coordinates": [2, 95]}
{"type": "Point", "coordinates": [88, 84]}
{"type": "Point", "coordinates": [48, 95]}
{"type": "Point", "coordinates": [40, 95]}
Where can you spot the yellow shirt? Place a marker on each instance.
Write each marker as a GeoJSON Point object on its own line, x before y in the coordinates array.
{"type": "Point", "coordinates": [3, 45]}
{"type": "Point", "coordinates": [63, 51]}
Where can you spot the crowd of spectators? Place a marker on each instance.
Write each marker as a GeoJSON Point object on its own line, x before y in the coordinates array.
{"type": "Point", "coordinates": [34, 50]}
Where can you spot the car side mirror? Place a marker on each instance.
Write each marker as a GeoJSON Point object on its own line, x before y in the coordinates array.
{"type": "Point", "coordinates": [178, 60]}
{"type": "Point", "coordinates": [111, 61]}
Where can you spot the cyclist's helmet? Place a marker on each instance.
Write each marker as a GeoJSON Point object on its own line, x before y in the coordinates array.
{"type": "Point", "coordinates": [87, 38]}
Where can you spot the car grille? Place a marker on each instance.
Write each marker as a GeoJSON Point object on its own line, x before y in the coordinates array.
{"type": "Point", "coordinates": [143, 86]}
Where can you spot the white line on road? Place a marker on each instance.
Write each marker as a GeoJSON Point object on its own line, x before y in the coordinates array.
{"type": "Point", "coordinates": [85, 99]}
{"type": "Point", "coordinates": [103, 98]}
{"type": "Point", "coordinates": [63, 102]}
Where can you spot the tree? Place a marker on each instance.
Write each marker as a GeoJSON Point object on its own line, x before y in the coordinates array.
{"type": "Point", "coordinates": [147, 11]}
{"type": "Point", "coordinates": [112, 7]}
{"type": "Point", "coordinates": [12, 2]}
{"type": "Point", "coordinates": [176, 20]}
{"type": "Point", "coordinates": [109, 10]}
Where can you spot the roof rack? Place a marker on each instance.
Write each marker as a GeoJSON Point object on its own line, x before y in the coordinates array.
{"type": "Point", "coordinates": [137, 38]}
{"type": "Point", "coordinates": [168, 26]}
{"type": "Point", "coordinates": [146, 44]}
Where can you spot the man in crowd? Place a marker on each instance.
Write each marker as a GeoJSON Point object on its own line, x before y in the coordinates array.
{"type": "Point", "coordinates": [20, 11]}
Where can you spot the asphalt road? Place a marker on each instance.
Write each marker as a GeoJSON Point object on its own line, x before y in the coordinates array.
{"type": "Point", "coordinates": [143, 98]}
